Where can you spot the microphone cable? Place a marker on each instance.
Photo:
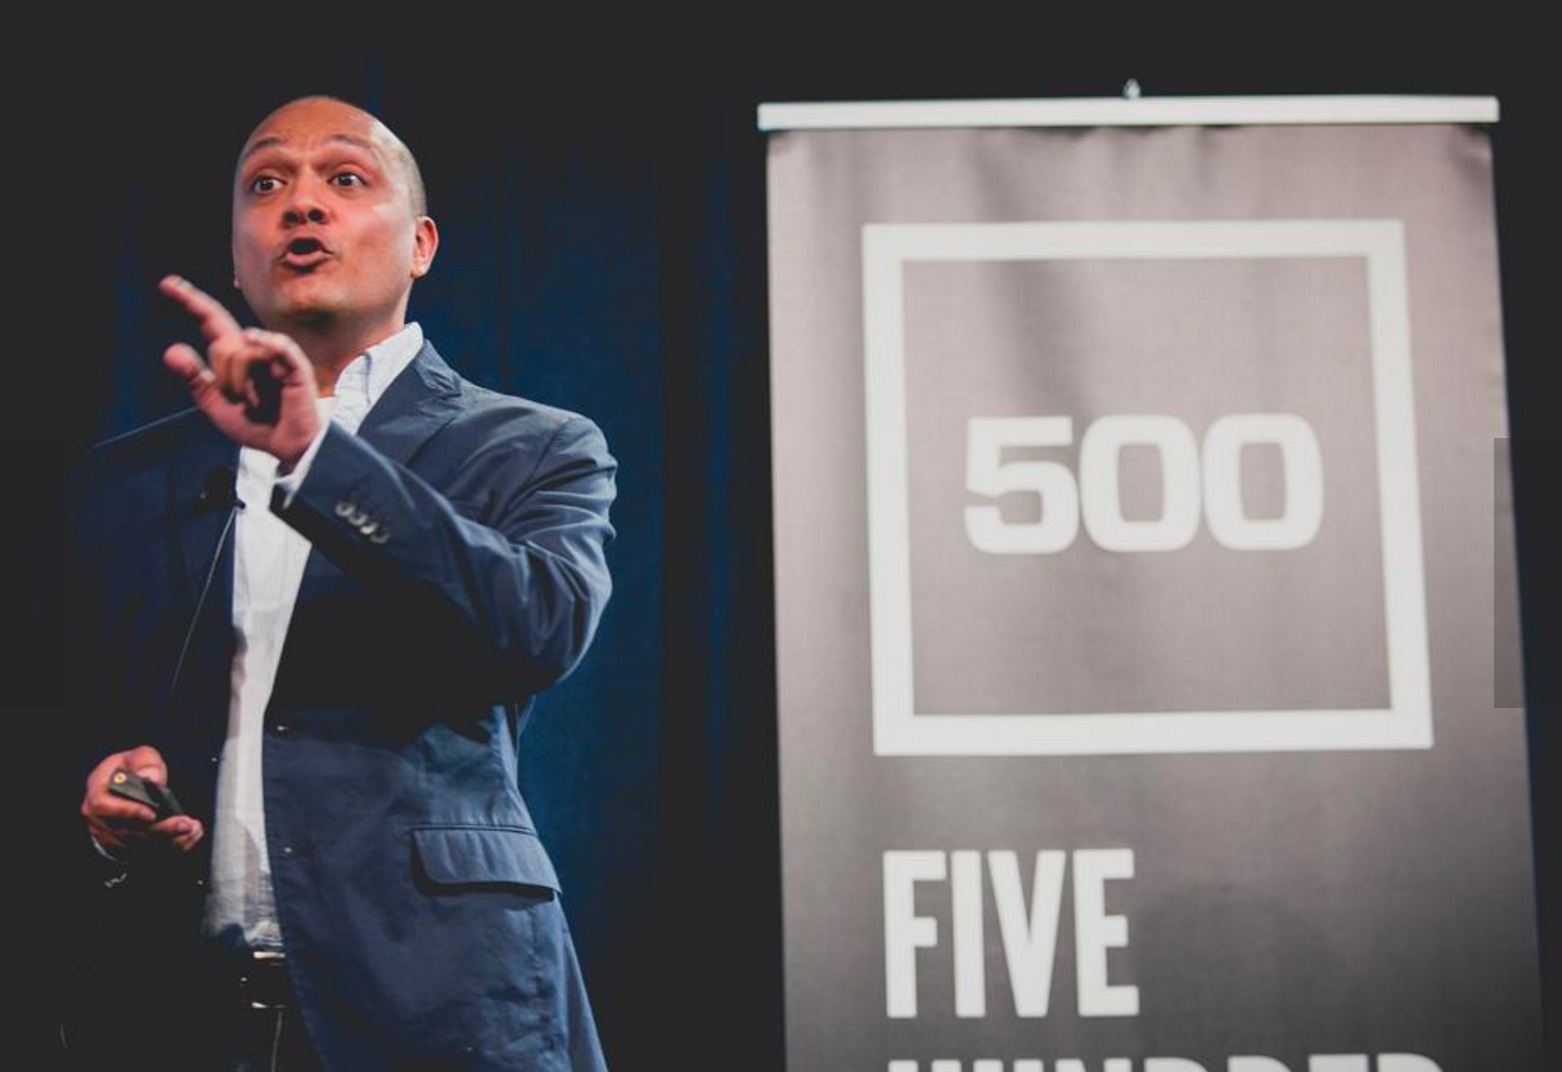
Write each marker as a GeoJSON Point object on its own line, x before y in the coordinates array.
{"type": "Point", "coordinates": [235, 504]}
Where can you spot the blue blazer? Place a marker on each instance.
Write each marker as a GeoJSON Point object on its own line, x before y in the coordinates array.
{"type": "Point", "coordinates": [457, 569]}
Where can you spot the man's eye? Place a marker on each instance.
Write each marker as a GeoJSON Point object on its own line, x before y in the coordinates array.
{"type": "Point", "coordinates": [347, 178]}
{"type": "Point", "coordinates": [263, 184]}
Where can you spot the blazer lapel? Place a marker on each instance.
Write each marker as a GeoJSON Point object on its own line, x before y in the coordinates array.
{"type": "Point", "coordinates": [418, 403]}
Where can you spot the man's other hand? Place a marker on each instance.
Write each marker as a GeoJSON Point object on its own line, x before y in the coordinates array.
{"type": "Point", "coordinates": [120, 825]}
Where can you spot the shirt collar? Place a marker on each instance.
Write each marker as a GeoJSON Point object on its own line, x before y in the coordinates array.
{"type": "Point", "coordinates": [361, 383]}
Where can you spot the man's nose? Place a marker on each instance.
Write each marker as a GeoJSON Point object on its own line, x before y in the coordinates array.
{"type": "Point", "coordinates": [305, 206]}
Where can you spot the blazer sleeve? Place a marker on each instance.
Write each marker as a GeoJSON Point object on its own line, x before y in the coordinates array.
{"type": "Point", "coordinates": [517, 595]}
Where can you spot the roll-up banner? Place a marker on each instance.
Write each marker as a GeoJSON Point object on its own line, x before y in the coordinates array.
{"type": "Point", "coordinates": [1147, 662]}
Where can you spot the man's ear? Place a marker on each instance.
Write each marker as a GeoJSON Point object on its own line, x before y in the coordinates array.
{"type": "Point", "coordinates": [425, 241]}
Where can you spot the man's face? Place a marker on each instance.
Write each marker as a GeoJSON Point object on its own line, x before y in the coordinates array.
{"type": "Point", "coordinates": [324, 231]}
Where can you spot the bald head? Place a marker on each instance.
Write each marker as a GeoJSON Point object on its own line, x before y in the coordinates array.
{"type": "Point", "coordinates": [328, 232]}
{"type": "Point", "coordinates": [270, 131]}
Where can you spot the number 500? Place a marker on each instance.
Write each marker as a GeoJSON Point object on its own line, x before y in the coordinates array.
{"type": "Point", "coordinates": [1195, 482]}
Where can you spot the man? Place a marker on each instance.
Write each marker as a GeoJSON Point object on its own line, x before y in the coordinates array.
{"type": "Point", "coordinates": [318, 606]}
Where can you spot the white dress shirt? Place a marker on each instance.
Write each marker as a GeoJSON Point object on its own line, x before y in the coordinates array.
{"type": "Point", "coordinates": [268, 567]}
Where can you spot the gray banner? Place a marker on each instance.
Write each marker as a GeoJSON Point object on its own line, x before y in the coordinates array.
{"type": "Point", "coordinates": [1140, 554]}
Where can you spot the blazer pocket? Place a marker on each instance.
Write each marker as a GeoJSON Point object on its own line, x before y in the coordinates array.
{"type": "Point", "coordinates": [451, 856]}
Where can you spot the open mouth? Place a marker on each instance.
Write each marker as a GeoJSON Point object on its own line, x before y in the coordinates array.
{"type": "Point", "coordinates": [304, 253]}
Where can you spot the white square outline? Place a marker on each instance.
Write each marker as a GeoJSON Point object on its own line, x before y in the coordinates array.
{"type": "Point", "coordinates": [899, 731]}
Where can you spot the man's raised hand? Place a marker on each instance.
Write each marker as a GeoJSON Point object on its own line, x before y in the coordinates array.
{"type": "Point", "coordinates": [226, 386]}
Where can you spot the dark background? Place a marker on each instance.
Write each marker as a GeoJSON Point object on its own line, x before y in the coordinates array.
{"type": "Point", "coordinates": [599, 185]}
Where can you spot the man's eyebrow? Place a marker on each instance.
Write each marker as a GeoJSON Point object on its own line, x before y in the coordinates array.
{"type": "Point", "coordinates": [272, 140]}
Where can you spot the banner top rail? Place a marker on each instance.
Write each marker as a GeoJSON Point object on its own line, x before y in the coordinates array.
{"type": "Point", "coordinates": [1125, 111]}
